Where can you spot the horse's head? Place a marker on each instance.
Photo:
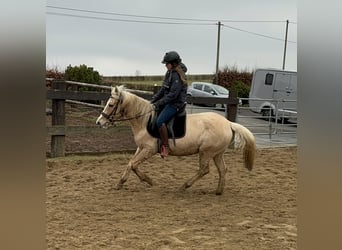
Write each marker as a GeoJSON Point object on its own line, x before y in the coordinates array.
{"type": "Point", "coordinates": [112, 109]}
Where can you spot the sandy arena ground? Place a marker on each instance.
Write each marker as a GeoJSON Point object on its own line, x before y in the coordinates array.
{"type": "Point", "coordinates": [256, 211]}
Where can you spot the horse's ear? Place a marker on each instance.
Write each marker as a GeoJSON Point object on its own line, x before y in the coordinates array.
{"type": "Point", "coordinates": [121, 88]}
{"type": "Point", "coordinates": [114, 90]}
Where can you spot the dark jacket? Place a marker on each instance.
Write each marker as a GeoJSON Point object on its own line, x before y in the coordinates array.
{"type": "Point", "coordinates": [173, 91]}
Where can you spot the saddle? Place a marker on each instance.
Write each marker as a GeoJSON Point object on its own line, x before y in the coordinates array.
{"type": "Point", "coordinates": [176, 127]}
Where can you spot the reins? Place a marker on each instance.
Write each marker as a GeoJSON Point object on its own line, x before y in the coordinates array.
{"type": "Point", "coordinates": [129, 118]}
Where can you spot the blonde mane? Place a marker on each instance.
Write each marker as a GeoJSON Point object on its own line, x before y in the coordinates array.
{"type": "Point", "coordinates": [136, 106]}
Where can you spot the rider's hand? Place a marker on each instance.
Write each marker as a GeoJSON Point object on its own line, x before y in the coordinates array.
{"type": "Point", "coordinates": [158, 105]}
{"type": "Point", "coordinates": [154, 107]}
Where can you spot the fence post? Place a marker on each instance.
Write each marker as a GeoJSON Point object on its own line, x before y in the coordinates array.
{"type": "Point", "coordinates": [155, 89]}
{"type": "Point", "coordinates": [232, 106]}
{"type": "Point", "coordinates": [58, 118]}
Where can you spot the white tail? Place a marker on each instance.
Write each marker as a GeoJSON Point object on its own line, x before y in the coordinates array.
{"type": "Point", "coordinates": [247, 143]}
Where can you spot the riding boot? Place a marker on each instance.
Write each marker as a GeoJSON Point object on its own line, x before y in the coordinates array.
{"type": "Point", "coordinates": [164, 149]}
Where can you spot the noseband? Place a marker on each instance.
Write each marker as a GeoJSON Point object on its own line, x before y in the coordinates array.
{"type": "Point", "coordinates": [110, 117]}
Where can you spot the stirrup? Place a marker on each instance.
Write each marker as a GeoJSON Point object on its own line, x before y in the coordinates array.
{"type": "Point", "coordinates": [164, 151]}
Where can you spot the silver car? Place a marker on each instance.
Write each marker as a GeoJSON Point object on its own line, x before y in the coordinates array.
{"type": "Point", "coordinates": [205, 89]}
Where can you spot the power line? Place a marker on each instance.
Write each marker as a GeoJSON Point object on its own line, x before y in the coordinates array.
{"type": "Point", "coordinates": [254, 33]}
{"type": "Point", "coordinates": [164, 18]}
{"type": "Point", "coordinates": [126, 15]}
{"type": "Point", "coordinates": [124, 20]}
{"type": "Point", "coordinates": [197, 21]}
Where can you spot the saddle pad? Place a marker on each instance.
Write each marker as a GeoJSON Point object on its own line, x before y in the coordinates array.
{"type": "Point", "coordinates": [178, 126]}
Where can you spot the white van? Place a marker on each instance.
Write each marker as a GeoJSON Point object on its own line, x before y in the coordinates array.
{"type": "Point", "coordinates": [274, 93]}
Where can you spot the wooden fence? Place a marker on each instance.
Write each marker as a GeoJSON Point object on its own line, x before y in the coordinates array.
{"type": "Point", "coordinates": [60, 92]}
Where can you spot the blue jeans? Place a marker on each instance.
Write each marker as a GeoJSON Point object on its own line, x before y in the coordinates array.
{"type": "Point", "coordinates": [166, 115]}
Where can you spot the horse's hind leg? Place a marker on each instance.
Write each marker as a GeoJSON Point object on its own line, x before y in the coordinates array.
{"type": "Point", "coordinates": [203, 170]}
{"type": "Point", "coordinates": [221, 168]}
{"type": "Point", "coordinates": [139, 157]}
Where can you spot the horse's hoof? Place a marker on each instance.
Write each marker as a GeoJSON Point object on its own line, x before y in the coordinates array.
{"type": "Point", "coordinates": [183, 187]}
{"type": "Point", "coordinates": [118, 186]}
{"type": "Point", "coordinates": [147, 181]}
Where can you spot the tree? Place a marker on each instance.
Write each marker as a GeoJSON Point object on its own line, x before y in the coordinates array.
{"type": "Point", "coordinates": [82, 73]}
{"type": "Point", "coordinates": [85, 74]}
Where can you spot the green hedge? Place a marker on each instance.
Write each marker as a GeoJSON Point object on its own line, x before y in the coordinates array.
{"type": "Point", "coordinates": [242, 90]}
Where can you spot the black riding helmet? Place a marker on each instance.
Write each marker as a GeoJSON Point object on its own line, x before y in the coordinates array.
{"type": "Point", "coordinates": [171, 57]}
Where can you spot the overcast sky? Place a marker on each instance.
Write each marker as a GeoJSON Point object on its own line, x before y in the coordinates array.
{"type": "Point", "coordinates": [101, 34]}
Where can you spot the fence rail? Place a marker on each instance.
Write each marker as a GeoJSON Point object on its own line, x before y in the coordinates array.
{"type": "Point", "coordinates": [62, 92]}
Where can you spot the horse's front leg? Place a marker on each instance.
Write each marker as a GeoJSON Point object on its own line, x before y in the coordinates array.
{"type": "Point", "coordinates": [139, 156]}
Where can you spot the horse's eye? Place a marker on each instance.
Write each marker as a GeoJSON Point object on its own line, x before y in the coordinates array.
{"type": "Point", "coordinates": [111, 105]}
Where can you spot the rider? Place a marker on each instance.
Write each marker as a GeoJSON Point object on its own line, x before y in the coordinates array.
{"type": "Point", "coordinates": [171, 97]}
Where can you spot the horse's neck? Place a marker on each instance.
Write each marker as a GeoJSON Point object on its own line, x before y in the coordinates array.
{"type": "Point", "coordinates": [138, 108]}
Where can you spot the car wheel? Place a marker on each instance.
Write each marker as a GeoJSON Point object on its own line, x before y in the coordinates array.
{"type": "Point", "coordinates": [188, 99]}
{"type": "Point", "coordinates": [267, 113]}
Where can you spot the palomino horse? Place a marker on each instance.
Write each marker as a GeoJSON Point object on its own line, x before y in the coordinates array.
{"type": "Point", "coordinates": [207, 134]}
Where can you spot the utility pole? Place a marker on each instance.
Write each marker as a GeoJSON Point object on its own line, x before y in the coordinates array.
{"type": "Point", "coordinates": [218, 50]}
{"type": "Point", "coordinates": [287, 28]}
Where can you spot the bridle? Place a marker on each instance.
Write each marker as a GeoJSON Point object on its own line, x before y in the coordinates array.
{"type": "Point", "coordinates": [110, 117]}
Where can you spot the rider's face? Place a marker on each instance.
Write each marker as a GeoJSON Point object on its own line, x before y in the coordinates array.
{"type": "Point", "coordinates": [168, 66]}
